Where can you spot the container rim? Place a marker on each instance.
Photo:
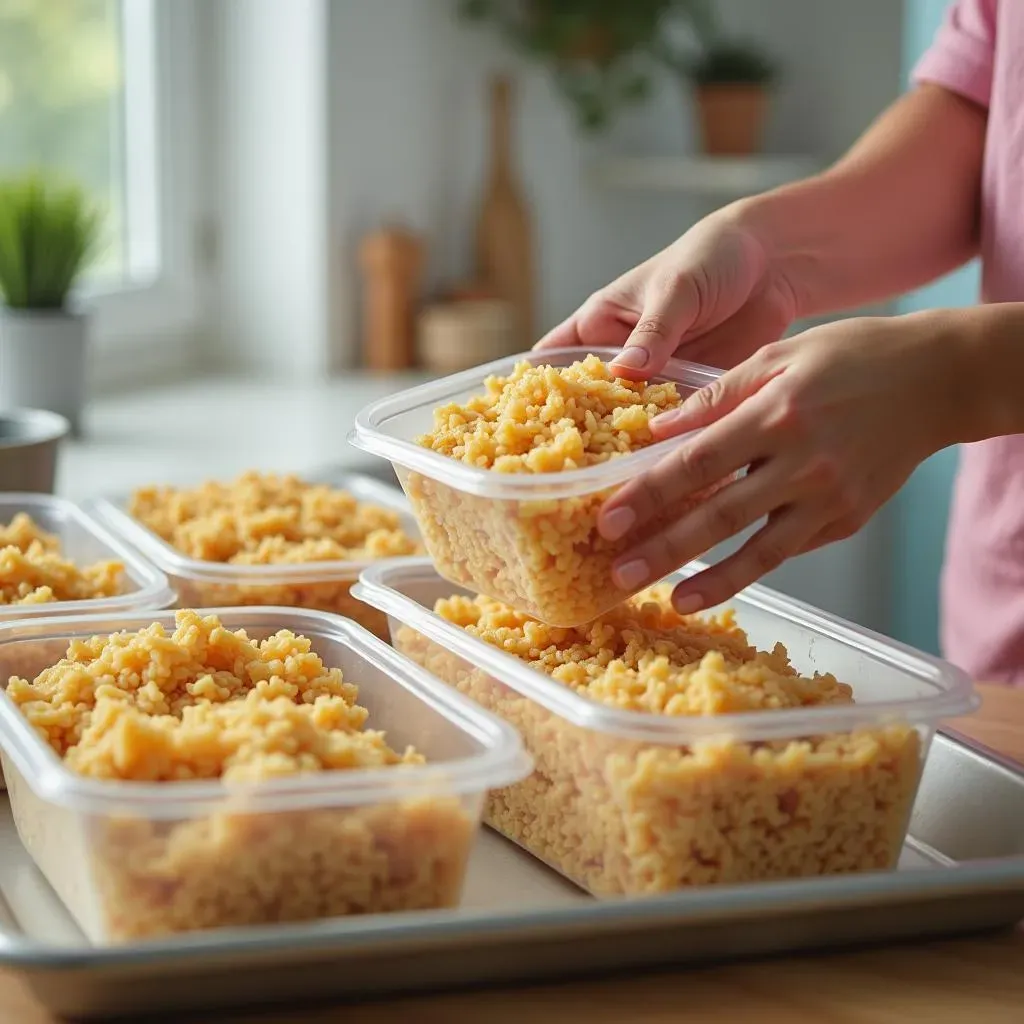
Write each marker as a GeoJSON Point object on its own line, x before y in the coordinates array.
{"type": "Point", "coordinates": [368, 432]}
{"type": "Point", "coordinates": [153, 587]}
{"type": "Point", "coordinates": [955, 691]}
{"type": "Point", "coordinates": [501, 761]}
{"type": "Point", "coordinates": [112, 511]}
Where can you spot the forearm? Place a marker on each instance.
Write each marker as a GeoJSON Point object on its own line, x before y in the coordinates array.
{"type": "Point", "coordinates": [987, 348]}
{"type": "Point", "coordinates": [900, 209]}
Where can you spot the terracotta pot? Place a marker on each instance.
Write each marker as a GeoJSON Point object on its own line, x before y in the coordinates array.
{"type": "Point", "coordinates": [732, 118]}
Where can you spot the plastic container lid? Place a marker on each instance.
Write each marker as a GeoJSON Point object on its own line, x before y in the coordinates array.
{"type": "Point", "coordinates": [891, 682]}
{"type": "Point", "coordinates": [85, 541]}
{"type": "Point", "coordinates": [113, 510]}
{"type": "Point", "coordinates": [496, 756]}
{"type": "Point", "coordinates": [388, 428]}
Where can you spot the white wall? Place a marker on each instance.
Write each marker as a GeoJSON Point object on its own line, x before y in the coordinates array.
{"type": "Point", "coordinates": [272, 181]}
{"type": "Point", "coordinates": [409, 128]}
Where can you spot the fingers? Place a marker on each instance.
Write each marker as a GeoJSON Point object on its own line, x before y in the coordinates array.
{"type": "Point", "coordinates": [598, 323]}
{"type": "Point", "coordinates": [755, 324]}
{"type": "Point", "coordinates": [565, 335]}
{"type": "Point", "coordinates": [719, 451]}
{"type": "Point", "coordinates": [670, 307]}
{"type": "Point", "coordinates": [785, 534]}
{"type": "Point", "coordinates": [836, 531]}
{"type": "Point", "coordinates": [723, 515]}
{"type": "Point", "coordinates": [722, 396]}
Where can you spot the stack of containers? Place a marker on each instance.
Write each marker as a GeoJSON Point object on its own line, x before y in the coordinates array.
{"type": "Point", "coordinates": [625, 802]}
{"type": "Point", "coordinates": [135, 860]}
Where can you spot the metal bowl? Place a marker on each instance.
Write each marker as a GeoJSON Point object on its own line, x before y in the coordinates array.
{"type": "Point", "coordinates": [29, 444]}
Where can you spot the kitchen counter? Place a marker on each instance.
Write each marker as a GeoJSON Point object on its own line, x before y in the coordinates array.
{"type": "Point", "coordinates": [218, 428]}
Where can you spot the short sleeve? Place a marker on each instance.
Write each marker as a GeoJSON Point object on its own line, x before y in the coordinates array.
{"type": "Point", "coordinates": [963, 53]}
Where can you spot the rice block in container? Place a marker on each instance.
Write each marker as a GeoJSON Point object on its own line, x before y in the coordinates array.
{"type": "Point", "coordinates": [631, 802]}
{"type": "Point", "coordinates": [134, 860]}
{"type": "Point", "coordinates": [70, 535]}
{"type": "Point", "coordinates": [321, 584]}
{"type": "Point", "coordinates": [528, 539]}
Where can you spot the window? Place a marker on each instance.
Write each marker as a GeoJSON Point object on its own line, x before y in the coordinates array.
{"type": "Point", "coordinates": [75, 76]}
{"type": "Point", "coordinates": [102, 91]}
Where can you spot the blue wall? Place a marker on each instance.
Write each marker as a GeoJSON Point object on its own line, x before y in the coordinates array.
{"type": "Point", "coordinates": [921, 509]}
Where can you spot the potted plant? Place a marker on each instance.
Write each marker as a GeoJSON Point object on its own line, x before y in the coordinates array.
{"type": "Point", "coordinates": [732, 83]}
{"type": "Point", "coordinates": [602, 52]}
{"type": "Point", "coordinates": [48, 233]}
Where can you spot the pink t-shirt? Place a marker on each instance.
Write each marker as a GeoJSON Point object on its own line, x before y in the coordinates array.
{"type": "Point", "coordinates": [979, 53]}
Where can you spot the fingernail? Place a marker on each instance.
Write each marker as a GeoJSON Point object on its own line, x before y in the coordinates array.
{"type": "Point", "coordinates": [617, 523]}
{"type": "Point", "coordinates": [632, 358]}
{"type": "Point", "coordinates": [688, 604]}
{"type": "Point", "coordinates": [666, 419]}
{"type": "Point", "coordinates": [631, 574]}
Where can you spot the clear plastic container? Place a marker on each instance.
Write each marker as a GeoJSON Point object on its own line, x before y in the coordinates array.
{"type": "Point", "coordinates": [132, 860]}
{"type": "Point", "coordinates": [323, 586]}
{"type": "Point", "coordinates": [527, 539]}
{"type": "Point", "coordinates": [627, 802]}
{"type": "Point", "coordinates": [85, 541]}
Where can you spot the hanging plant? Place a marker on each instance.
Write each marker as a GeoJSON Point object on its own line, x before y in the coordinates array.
{"type": "Point", "coordinates": [603, 53]}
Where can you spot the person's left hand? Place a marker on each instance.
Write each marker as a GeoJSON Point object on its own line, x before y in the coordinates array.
{"type": "Point", "coordinates": [830, 423]}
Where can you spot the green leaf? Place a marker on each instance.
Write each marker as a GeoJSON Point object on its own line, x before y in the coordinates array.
{"type": "Point", "coordinates": [592, 41]}
{"type": "Point", "coordinates": [48, 234]}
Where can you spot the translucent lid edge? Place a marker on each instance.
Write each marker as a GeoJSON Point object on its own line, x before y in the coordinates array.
{"type": "Point", "coordinates": [169, 560]}
{"type": "Point", "coordinates": [372, 589]}
{"type": "Point", "coordinates": [366, 436]}
{"type": "Point", "coordinates": [502, 761]}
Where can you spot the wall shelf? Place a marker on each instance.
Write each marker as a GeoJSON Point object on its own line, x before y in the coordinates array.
{"type": "Point", "coordinates": [730, 177]}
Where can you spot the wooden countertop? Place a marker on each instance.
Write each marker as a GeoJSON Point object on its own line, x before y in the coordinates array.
{"type": "Point", "coordinates": [975, 980]}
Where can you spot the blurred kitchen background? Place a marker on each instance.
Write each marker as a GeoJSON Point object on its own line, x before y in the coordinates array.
{"type": "Point", "coordinates": [301, 209]}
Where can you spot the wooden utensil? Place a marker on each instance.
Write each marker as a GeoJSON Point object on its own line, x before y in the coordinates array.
{"type": "Point", "coordinates": [392, 261]}
{"type": "Point", "coordinates": [504, 237]}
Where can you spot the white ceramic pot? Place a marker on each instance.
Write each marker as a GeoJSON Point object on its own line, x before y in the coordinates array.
{"type": "Point", "coordinates": [42, 362]}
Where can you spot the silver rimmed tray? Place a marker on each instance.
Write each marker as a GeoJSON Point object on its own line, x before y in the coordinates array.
{"type": "Point", "coordinates": [962, 871]}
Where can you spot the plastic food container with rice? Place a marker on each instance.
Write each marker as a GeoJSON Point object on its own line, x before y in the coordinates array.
{"type": "Point", "coordinates": [175, 853]}
{"type": "Point", "coordinates": [56, 560]}
{"type": "Point", "coordinates": [633, 802]}
{"type": "Point", "coordinates": [528, 539]}
{"type": "Point", "coordinates": [74, 542]}
{"type": "Point", "coordinates": [322, 585]}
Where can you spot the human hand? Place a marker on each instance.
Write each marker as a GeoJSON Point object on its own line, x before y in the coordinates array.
{"type": "Point", "coordinates": [715, 294]}
{"type": "Point", "coordinates": [830, 423]}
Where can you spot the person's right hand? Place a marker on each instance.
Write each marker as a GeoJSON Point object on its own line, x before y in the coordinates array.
{"type": "Point", "coordinates": [715, 296]}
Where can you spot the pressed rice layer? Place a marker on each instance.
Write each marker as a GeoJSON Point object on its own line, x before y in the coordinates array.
{"type": "Point", "coordinates": [205, 702]}
{"type": "Point", "coordinates": [266, 519]}
{"type": "Point", "coordinates": [625, 816]}
{"type": "Point", "coordinates": [544, 558]}
{"type": "Point", "coordinates": [34, 571]}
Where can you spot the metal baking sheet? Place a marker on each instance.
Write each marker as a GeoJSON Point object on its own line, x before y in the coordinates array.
{"type": "Point", "coordinates": [962, 871]}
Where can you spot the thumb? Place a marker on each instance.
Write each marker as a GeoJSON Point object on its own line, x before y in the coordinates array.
{"type": "Point", "coordinates": [564, 335]}
{"type": "Point", "coordinates": [717, 399]}
{"type": "Point", "coordinates": [668, 312]}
